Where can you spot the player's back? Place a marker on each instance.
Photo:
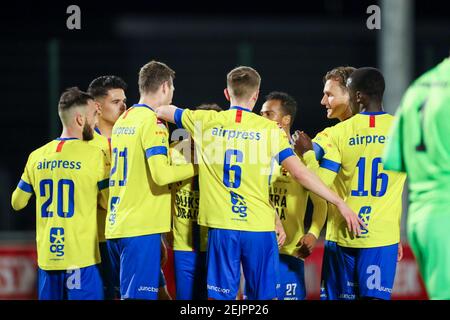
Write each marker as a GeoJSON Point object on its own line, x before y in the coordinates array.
{"type": "Point", "coordinates": [237, 153]}
{"type": "Point", "coordinates": [137, 205]}
{"type": "Point", "coordinates": [369, 189]}
{"type": "Point", "coordinates": [425, 129]}
{"type": "Point", "coordinates": [66, 175]}
{"type": "Point", "coordinates": [187, 234]}
{"type": "Point", "coordinates": [289, 199]}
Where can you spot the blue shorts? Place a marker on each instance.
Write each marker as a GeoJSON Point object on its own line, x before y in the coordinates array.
{"type": "Point", "coordinates": [332, 266]}
{"type": "Point", "coordinates": [258, 252]}
{"type": "Point", "coordinates": [136, 263]}
{"type": "Point", "coordinates": [292, 278]}
{"type": "Point", "coordinates": [368, 272]}
{"type": "Point", "coordinates": [110, 288]}
{"type": "Point", "coordinates": [79, 284]}
{"type": "Point", "coordinates": [190, 275]}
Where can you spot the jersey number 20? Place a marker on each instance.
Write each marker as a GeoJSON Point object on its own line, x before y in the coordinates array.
{"type": "Point", "coordinates": [65, 187]}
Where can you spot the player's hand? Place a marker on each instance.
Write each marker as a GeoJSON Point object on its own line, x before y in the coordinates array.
{"type": "Point", "coordinates": [400, 252]}
{"type": "Point", "coordinates": [354, 223]}
{"type": "Point", "coordinates": [302, 142]}
{"type": "Point", "coordinates": [281, 234]}
{"type": "Point", "coordinates": [306, 243]}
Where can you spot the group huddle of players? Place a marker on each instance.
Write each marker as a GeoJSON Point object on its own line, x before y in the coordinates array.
{"type": "Point", "coordinates": [232, 192]}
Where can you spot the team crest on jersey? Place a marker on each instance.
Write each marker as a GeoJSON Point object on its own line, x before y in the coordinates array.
{"type": "Point", "coordinates": [57, 241]}
{"type": "Point", "coordinates": [364, 215]}
{"type": "Point", "coordinates": [113, 210]}
{"type": "Point", "coordinates": [239, 205]}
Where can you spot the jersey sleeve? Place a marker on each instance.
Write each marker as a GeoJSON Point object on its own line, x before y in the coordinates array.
{"type": "Point", "coordinates": [155, 142]}
{"type": "Point", "coordinates": [191, 120]}
{"type": "Point", "coordinates": [24, 189]}
{"type": "Point", "coordinates": [327, 160]}
{"type": "Point", "coordinates": [155, 138]}
{"type": "Point", "coordinates": [328, 150]}
{"type": "Point", "coordinates": [319, 214]}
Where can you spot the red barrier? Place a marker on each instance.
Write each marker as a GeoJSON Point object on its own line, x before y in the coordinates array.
{"type": "Point", "coordinates": [18, 272]}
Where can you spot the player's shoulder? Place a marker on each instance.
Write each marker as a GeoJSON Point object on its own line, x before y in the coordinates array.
{"type": "Point", "coordinates": [42, 150]}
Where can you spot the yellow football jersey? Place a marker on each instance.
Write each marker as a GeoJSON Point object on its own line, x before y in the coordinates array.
{"type": "Point", "coordinates": [353, 149]}
{"type": "Point", "coordinates": [67, 176]}
{"type": "Point", "coordinates": [138, 205]}
{"type": "Point", "coordinates": [236, 152]}
{"type": "Point", "coordinates": [290, 199]}
{"type": "Point", "coordinates": [188, 235]}
{"type": "Point", "coordinates": [105, 144]}
{"type": "Point", "coordinates": [334, 218]}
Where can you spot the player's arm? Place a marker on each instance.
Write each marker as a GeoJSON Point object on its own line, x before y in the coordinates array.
{"type": "Point", "coordinates": [163, 173]}
{"type": "Point", "coordinates": [21, 195]}
{"type": "Point", "coordinates": [156, 147]}
{"type": "Point", "coordinates": [23, 191]}
{"type": "Point", "coordinates": [309, 180]}
{"type": "Point", "coordinates": [168, 113]}
{"type": "Point", "coordinates": [319, 216]}
{"type": "Point", "coordinates": [313, 156]}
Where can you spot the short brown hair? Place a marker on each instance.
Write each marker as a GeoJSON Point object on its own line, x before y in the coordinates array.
{"type": "Point", "coordinates": [73, 97]}
{"type": "Point", "coordinates": [243, 81]}
{"type": "Point", "coordinates": [339, 74]}
{"type": "Point", "coordinates": [152, 75]}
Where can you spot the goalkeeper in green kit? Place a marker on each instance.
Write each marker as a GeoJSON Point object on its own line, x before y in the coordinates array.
{"type": "Point", "coordinates": [419, 145]}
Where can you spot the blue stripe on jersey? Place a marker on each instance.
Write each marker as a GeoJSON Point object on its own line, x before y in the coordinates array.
{"type": "Point", "coordinates": [25, 186]}
{"type": "Point", "coordinates": [153, 151]}
{"type": "Point", "coordinates": [374, 113]}
{"type": "Point", "coordinates": [286, 153]}
{"type": "Point", "coordinates": [318, 151]}
{"type": "Point", "coordinates": [330, 165]}
{"type": "Point", "coordinates": [240, 108]}
{"type": "Point", "coordinates": [103, 184]}
{"type": "Point", "coordinates": [97, 130]}
{"type": "Point", "coordinates": [177, 117]}
{"type": "Point", "coordinates": [65, 139]}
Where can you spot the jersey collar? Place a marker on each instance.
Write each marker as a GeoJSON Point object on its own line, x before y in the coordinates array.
{"type": "Point", "coordinates": [142, 105]}
{"type": "Point", "coordinates": [97, 130]}
{"type": "Point", "coordinates": [65, 139]}
{"type": "Point", "coordinates": [374, 113]}
{"type": "Point", "coordinates": [240, 108]}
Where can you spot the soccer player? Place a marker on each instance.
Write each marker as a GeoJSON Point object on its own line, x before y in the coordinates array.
{"type": "Point", "coordinates": [69, 178]}
{"type": "Point", "coordinates": [418, 145]}
{"type": "Point", "coordinates": [336, 101]}
{"type": "Point", "coordinates": [352, 160]}
{"type": "Point", "coordinates": [189, 238]}
{"type": "Point", "coordinates": [241, 228]}
{"type": "Point", "coordinates": [290, 199]}
{"type": "Point", "coordinates": [110, 99]}
{"type": "Point", "coordinates": [139, 202]}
